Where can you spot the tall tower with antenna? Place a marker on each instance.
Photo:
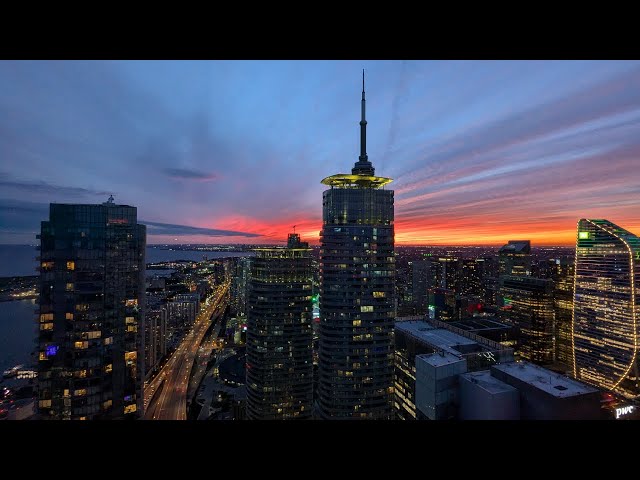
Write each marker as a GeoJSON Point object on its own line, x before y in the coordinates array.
{"type": "Point", "coordinates": [357, 294]}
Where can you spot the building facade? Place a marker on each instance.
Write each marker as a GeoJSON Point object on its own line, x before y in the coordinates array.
{"type": "Point", "coordinates": [279, 333]}
{"type": "Point", "coordinates": [91, 312]}
{"type": "Point", "coordinates": [414, 338]}
{"type": "Point", "coordinates": [421, 278]}
{"type": "Point", "coordinates": [562, 272]}
{"type": "Point", "coordinates": [183, 310]}
{"type": "Point", "coordinates": [155, 331]}
{"type": "Point", "coordinates": [515, 258]}
{"type": "Point", "coordinates": [357, 293]}
{"type": "Point", "coordinates": [527, 304]}
{"type": "Point", "coordinates": [605, 308]}
{"type": "Point", "coordinates": [239, 284]}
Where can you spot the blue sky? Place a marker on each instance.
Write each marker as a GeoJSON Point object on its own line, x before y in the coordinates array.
{"type": "Point", "coordinates": [480, 151]}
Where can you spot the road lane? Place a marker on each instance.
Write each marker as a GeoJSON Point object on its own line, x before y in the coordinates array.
{"type": "Point", "coordinates": [171, 402]}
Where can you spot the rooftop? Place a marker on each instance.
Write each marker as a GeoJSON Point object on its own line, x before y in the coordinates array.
{"type": "Point", "coordinates": [479, 324]}
{"type": "Point", "coordinates": [488, 383]}
{"type": "Point", "coordinates": [438, 337]}
{"type": "Point", "coordinates": [440, 359]}
{"type": "Point", "coordinates": [545, 380]}
{"type": "Point", "coordinates": [516, 246]}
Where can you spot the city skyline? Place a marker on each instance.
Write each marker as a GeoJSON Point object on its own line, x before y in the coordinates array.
{"type": "Point", "coordinates": [202, 149]}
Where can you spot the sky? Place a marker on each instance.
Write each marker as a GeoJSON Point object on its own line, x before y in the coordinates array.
{"type": "Point", "coordinates": [481, 152]}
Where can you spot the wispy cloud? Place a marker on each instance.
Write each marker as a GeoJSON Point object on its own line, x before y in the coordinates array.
{"type": "Point", "coordinates": [188, 174]}
{"type": "Point", "coordinates": [181, 230]}
{"type": "Point", "coordinates": [41, 187]}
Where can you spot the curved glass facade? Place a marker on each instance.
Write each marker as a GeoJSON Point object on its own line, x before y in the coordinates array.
{"type": "Point", "coordinates": [605, 315]}
{"type": "Point", "coordinates": [279, 334]}
{"type": "Point", "coordinates": [357, 303]}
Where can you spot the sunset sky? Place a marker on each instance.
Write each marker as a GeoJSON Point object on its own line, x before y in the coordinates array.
{"type": "Point", "coordinates": [234, 151]}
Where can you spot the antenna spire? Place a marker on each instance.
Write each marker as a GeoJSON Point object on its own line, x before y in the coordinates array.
{"type": "Point", "coordinates": [363, 166]}
{"type": "Point", "coordinates": [363, 127]}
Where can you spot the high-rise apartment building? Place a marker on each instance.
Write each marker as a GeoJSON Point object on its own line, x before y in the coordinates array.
{"type": "Point", "coordinates": [155, 340]}
{"type": "Point", "coordinates": [279, 333]}
{"type": "Point", "coordinates": [239, 284]}
{"type": "Point", "coordinates": [357, 293]}
{"type": "Point", "coordinates": [91, 313]}
{"type": "Point", "coordinates": [605, 307]}
{"type": "Point", "coordinates": [183, 310]}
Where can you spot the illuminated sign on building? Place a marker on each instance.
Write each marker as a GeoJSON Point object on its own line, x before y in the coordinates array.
{"type": "Point", "coordinates": [622, 411]}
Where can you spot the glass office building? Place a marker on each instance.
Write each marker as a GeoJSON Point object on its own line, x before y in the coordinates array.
{"type": "Point", "coordinates": [605, 307]}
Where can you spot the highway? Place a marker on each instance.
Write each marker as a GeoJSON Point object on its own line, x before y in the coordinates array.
{"type": "Point", "coordinates": [170, 403]}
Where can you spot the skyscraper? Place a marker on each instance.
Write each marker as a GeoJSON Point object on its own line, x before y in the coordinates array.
{"type": "Point", "coordinates": [155, 339]}
{"type": "Point", "coordinates": [357, 293]}
{"type": "Point", "coordinates": [421, 279]}
{"type": "Point", "coordinates": [605, 308]}
{"type": "Point", "coordinates": [279, 333]}
{"type": "Point", "coordinates": [562, 274]}
{"type": "Point", "coordinates": [239, 283]}
{"type": "Point", "coordinates": [515, 258]}
{"type": "Point", "coordinates": [91, 314]}
{"type": "Point", "coordinates": [527, 303]}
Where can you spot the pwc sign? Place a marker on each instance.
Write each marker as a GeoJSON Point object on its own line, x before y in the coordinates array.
{"type": "Point", "coordinates": [622, 411]}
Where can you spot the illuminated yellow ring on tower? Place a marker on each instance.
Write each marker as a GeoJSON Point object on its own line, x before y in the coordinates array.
{"type": "Point", "coordinates": [348, 180]}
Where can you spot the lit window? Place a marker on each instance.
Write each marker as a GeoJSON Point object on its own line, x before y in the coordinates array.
{"type": "Point", "coordinates": [71, 265]}
{"type": "Point", "coordinates": [69, 287]}
{"type": "Point", "coordinates": [108, 340]}
{"type": "Point", "coordinates": [42, 356]}
{"type": "Point", "coordinates": [107, 404]}
{"type": "Point", "coordinates": [80, 392]}
{"type": "Point", "coordinates": [366, 308]}
{"type": "Point", "coordinates": [81, 345]}
{"type": "Point", "coordinates": [357, 323]}
{"type": "Point", "coordinates": [108, 368]}
{"type": "Point", "coordinates": [379, 294]}
{"type": "Point", "coordinates": [44, 317]}
{"type": "Point", "coordinates": [69, 316]}
{"type": "Point", "coordinates": [130, 355]}
{"type": "Point", "coordinates": [130, 320]}
{"type": "Point", "coordinates": [130, 409]}
{"type": "Point", "coordinates": [65, 392]}
{"type": "Point", "coordinates": [44, 403]}
{"type": "Point", "coordinates": [132, 302]}
{"type": "Point", "coordinates": [46, 326]}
